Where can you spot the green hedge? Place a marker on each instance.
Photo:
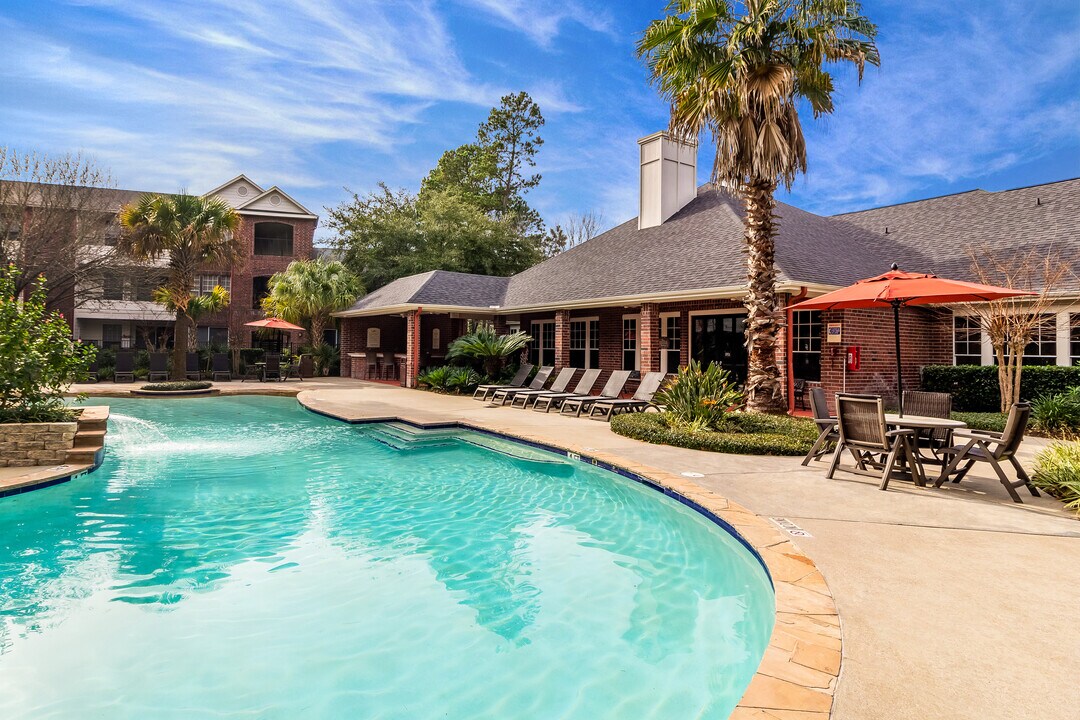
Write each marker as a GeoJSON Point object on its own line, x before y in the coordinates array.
{"type": "Point", "coordinates": [176, 385]}
{"type": "Point", "coordinates": [975, 387]}
{"type": "Point", "coordinates": [746, 434]}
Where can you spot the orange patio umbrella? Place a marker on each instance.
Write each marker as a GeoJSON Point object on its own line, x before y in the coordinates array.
{"type": "Point", "coordinates": [897, 288]}
{"type": "Point", "coordinates": [273, 324]}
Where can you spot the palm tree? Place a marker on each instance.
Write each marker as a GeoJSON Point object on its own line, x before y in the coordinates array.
{"type": "Point", "coordinates": [308, 291]}
{"type": "Point", "coordinates": [198, 306]}
{"type": "Point", "coordinates": [190, 231]}
{"type": "Point", "coordinates": [741, 78]}
{"type": "Point", "coordinates": [487, 346]}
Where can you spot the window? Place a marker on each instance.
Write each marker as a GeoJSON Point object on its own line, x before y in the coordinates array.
{"type": "Point", "coordinates": [112, 286]}
{"type": "Point", "coordinates": [594, 343]}
{"type": "Point", "coordinates": [111, 335]}
{"type": "Point", "coordinates": [630, 343]}
{"type": "Point", "coordinates": [260, 288]}
{"type": "Point", "coordinates": [436, 338]}
{"type": "Point", "coordinates": [1042, 350]}
{"type": "Point", "coordinates": [579, 343]}
{"type": "Point", "coordinates": [542, 347]}
{"type": "Point", "coordinates": [806, 344]}
{"type": "Point", "coordinates": [374, 337]}
{"type": "Point", "coordinates": [273, 238]}
{"type": "Point", "coordinates": [205, 283]}
{"type": "Point", "coordinates": [330, 336]}
{"type": "Point", "coordinates": [1074, 338]}
{"type": "Point", "coordinates": [672, 343]}
{"type": "Point", "coordinates": [212, 336]}
{"type": "Point", "coordinates": [967, 340]}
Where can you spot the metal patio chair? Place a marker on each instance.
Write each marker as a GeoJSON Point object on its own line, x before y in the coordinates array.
{"type": "Point", "coordinates": [642, 399]}
{"type": "Point", "coordinates": [485, 391]}
{"type": "Point", "coordinates": [993, 448]}
{"type": "Point", "coordinates": [503, 394]}
{"type": "Point", "coordinates": [863, 433]}
{"type": "Point", "coordinates": [558, 385]}
{"type": "Point", "coordinates": [930, 404]}
{"type": "Point", "coordinates": [611, 390]}
{"type": "Point", "coordinates": [826, 423]}
{"type": "Point", "coordinates": [549, 399]}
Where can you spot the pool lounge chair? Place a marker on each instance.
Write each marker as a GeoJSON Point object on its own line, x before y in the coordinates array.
{"type": "Point", "coordinates": [557, 385]}
{"type": "Point", "coordinates": [648, 386]}
{"type": "Point", "coordinates": [539, 380]}
{"type": "Point", "coordinates": [484, 391]}
{"type": "Point", "coordinates": [125, 367]}
{"type": "Point", "coordinates": [192, 371]}
{"type": "Point", "coordinates": [549, 398]}
{"type": "Point", "coordinates": [612, 389]}
{"type": "Point", "coordinates": [159, 367]}
{"type": "Point", "coordinates": [221, 366]}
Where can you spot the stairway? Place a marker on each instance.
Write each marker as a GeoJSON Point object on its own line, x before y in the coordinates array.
{"type": "Point", "coordinates": [89, 446]}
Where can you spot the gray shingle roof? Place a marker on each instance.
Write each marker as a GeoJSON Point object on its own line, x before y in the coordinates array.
{"type": "Point", "coordinates": [702, 247]}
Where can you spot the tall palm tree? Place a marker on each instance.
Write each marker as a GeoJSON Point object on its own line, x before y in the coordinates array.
{"type": "Point", "coordinates": [308, 291]}
{"type": "Point", "coordinates": [189, 231]}
{"type": "Point", "coordinates": [741, 77]}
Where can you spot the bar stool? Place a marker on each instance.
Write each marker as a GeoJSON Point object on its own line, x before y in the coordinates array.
{"type": "Point", "coordinates": [372, 367]}
{"type": "Point", "coordinates": [389, 368]}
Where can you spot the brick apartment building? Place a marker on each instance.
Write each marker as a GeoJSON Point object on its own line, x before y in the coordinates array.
{"type": "Point", "coordinates": [114, 308]}
{"type": "Point", "coordinates": [668, 286]}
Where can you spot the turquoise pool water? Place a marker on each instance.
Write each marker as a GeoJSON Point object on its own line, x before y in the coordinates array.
{"type": "Point", "coordinates": [244, 558]}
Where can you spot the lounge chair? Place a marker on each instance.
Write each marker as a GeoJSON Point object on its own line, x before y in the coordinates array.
{"type": "Point", "coordinates": [522, 374]}
{"type": "Point", "coordinates": [192, 371]}
{"type": "Point", "coordinates": [539, 380]}
{"type": "Point", "coordinates": [864, 434]}
{"type": "Point", "coordinates": [159, 367]}
{"type": "Point", "coordinates": [92, 372]}
{"type": "Point", "coordinates": [292, 369]}
{"type": "Point", "coordinates": [549, 399]}
{"type": "Point", "coordinates": [992, 448]}
{"type": "Point", "coordinates": [936, 405]}
{"type": "Point", "coordinates": [272, 368]}
{"type": "Point", "coordinates": [638, 403]}
{"type": "Point", "coordinates": [826, 426]}
{"type": "Point", "coordinates": [125, 367]}
{"type": "Point", "coordinates": [559, 384]}
{"type": "Point", "coordinates": [221, 366]}
{"type": "Point", "coordinates": [612, 389]}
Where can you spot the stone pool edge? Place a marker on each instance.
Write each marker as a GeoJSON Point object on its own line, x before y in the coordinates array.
{"type": "Point", "coordinates": [799, 671]}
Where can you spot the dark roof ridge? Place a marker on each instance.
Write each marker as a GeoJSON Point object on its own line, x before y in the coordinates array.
{"type": "Point", "coordinates": [911, 202]}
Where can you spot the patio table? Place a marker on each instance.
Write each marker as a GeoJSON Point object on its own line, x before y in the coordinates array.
{"type": "Point", "coordinates": [920, 423]}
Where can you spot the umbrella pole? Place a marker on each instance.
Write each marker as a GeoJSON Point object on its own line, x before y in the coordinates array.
{"type": "Point", "coordinates": [899, 370]}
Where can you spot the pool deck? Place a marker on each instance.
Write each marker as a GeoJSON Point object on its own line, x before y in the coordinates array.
{"type": "Point", "coordinates": [954, 603]}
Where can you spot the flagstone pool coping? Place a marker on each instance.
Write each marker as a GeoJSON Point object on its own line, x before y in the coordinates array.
{"type": "Point", "coordinates": [797, 676]}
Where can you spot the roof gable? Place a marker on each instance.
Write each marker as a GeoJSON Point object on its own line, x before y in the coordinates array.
{"type": "Point", "coordinates": [274, 201]}
{"type": "Point", "coordinates": [237, 191]}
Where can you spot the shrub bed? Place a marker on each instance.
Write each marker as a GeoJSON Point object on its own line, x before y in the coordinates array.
{"type": "Point", "coordinates": [740, 433]}
{"type": "Point", "coordinates": [1057, 471]}
{"type": "Point", "coordinates": [993, 421]}
{"type": "Point", "coordinates": [177, 386]}
{"type": "Point", "coordinates": [975, 387]}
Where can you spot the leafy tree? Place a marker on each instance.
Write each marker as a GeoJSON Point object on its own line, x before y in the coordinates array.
{"type": "Point", "coordinates": [198, 306]}
{"type": "Point", "coordinates": [511, 133]}
{"type": "Point", "coordinates": [191, 231]}
{"type": "Point", "coordinates": [471, 172]}
{"type": "Point", "coordinates": [487, 346]}
{"type": "Point", "coordinates": [37, 354]}
{"type": "Point", "coordinates": [739, 71]}
{"type": "Point", "coordinates": [308, 291]}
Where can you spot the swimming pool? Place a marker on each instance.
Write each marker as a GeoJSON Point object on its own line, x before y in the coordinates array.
{"type": "Point", "coordinates": [242, 557]}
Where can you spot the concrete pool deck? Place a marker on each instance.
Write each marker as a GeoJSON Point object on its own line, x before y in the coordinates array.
{"type": "Point", "coordinates": [955, 603]}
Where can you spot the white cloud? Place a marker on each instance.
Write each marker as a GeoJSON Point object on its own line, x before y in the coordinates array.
{"type": "Point", "coordinates": [542, 20]}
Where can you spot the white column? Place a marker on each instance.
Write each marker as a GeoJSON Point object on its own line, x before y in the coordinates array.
{"type": "Point", "coordinates": [1063, 337]}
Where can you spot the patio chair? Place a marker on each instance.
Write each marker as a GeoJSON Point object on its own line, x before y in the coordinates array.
{"type": "Point", "coordinates": [522, 374]}
{"type": "Point", "coordinates": [125, 367]}
{"type": "Point", "coordinates": [548, 398]}
{"type": "Point", "coordinates": [609, 407]}
{"type": "Point", "coordinates": [159, 367]}
{"type": "Point", "coordinates": [221, 366]}
{"type": "Point", "coordinates": [272, 369]}
{"type": "Point", "coordinates": [92, 372]}
{"type": "Point", "coordinates": [539, 380]}
{"type": "Point", "coordinates": [292, 369]}
{"type": "Point", "coordinates": [931, 404]}
{"type": "Point", "coordinates": [559, 384]}
{"type": "Point", "coordinates": [876, 449]}
{"type": "Point", "coordinates": [993, 448]}
{"type": "Point", "coordinates": [826, 426]}
{"type": "Point", "coordinates": [192, 371]}
{"type": "Point", "coordinates": [611, 390]}
{"type": "Point", "coordinates": [799, 388]}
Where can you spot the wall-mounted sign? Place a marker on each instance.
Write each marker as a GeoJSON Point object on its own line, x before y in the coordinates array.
{"type": "Point", "coordinates": [833, 333]}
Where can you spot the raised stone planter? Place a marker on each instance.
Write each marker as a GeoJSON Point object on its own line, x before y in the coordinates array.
{"type": "Point", "coordinates": [30, 444]}
{"type": "Point", "coordinates": [175, 393]}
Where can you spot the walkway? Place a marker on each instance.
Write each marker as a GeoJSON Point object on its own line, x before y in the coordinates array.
{"type": "Point", "coordinates": [955, 603]}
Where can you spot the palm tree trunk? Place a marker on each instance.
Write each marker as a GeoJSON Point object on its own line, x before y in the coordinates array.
{"type": "Point", "coordinates": [316, 329]}
{"type": "Point", "coordinates": [180, 345]}
{"type": "Point", "coordinates": [764, 391]}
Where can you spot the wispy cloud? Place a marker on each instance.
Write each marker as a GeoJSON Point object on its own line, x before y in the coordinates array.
{"type": "Point", "coordinates": [542, 20]}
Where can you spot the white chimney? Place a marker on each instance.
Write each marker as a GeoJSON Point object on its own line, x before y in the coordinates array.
{"type": "Point", "coordinates": [668, 178]}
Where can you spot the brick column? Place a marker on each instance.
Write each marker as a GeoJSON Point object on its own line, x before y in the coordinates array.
{"type": "Point", "coordinates": [562, 339]}
{"type": "Point", "coordinates": [501, 328]}
{"type": "Point", "coordinates": [412, 347]}
{"type": "Point", "coordinates": [650, 338]}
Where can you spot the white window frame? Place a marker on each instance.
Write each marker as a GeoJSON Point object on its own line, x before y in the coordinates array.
{"type": "Point", "coordinates": [636, 317]}
{"type": "Point", "coordinates": [664, 316]}
{"type": "Point", "coordinates": [539, 339]}
{"type": "Point", "coordinates": [984, 340]}
{"type": "Point", "coordinates": [588, 336]}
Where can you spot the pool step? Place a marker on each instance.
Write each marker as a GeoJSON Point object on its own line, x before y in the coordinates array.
{"type": "Point", "coordinates": [400, 436]}
{"type": "Point", "coordinates": [89, 445]}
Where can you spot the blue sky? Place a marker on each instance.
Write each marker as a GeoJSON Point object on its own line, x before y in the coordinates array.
{"type": "Point", "coordinates": [319, 95]}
